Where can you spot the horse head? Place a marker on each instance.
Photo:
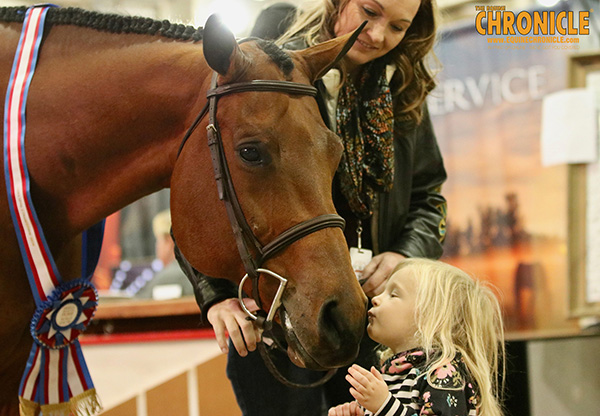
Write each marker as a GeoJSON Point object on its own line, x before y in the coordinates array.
{"type": "Point", "coordinates": [282, 160]}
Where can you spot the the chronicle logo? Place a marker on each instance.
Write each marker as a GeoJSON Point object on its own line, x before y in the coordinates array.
{"type": "Point", "coordinates": [532, 27]}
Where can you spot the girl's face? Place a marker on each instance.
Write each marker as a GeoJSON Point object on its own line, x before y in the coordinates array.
{"type": "Point", "coordinates": [388, 21]}
{"type": "Point", "coordinates": [392, 317]}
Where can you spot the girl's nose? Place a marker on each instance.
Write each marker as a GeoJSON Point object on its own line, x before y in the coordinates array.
{"type": "Point", "coordinates": [375, 300]}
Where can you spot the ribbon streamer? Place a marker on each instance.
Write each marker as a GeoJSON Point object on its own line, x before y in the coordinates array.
{"type": "Point", "coordinates": [56, 380]}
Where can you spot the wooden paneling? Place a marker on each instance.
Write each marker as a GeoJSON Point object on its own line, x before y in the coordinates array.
{"type": "Point", "coordinates": [129, 408]}
{"type": "Point", "coordinates": [215, 395]}
{"type": "Point", "coordinates": [170, 398]}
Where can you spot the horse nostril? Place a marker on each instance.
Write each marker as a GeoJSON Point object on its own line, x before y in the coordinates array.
{"type": "Point", "coordinates": [340, 327]}
{"type": "Point", "coordinates": [331, 324]}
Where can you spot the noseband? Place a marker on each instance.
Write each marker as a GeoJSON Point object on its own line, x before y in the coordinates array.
{"type": "Point", "coordinates": [252, 252]}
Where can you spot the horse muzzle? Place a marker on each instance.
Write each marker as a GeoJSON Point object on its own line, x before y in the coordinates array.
{"type": "Point", "coordinates": [335, 341]}
{"type": "Point", "coordinates": [335, 344]}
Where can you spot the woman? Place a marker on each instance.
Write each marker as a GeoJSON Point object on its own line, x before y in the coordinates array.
{"type": "Point", "coordinates": [387, 186]}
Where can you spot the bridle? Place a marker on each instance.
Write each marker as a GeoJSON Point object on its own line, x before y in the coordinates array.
{"type": "Point", "coordinates": [252, 252]}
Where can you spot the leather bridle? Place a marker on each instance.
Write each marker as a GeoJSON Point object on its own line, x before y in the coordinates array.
{"type": "Point", "coordinates": [252, 252]}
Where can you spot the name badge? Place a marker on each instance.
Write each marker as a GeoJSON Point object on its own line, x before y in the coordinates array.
{"type": "Point", "coordinates": [360, 258]}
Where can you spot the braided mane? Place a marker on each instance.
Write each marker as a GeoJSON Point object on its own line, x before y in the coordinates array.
{"type": "Point", "coordinates": [277, 55]}
{"type": "Point", "coordinates": [112, 23]}
{"type": "Point", "coordinates": [115, 23]}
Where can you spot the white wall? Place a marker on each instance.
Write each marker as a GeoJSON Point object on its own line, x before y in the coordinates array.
{"type": "Point", "coordinates": [564, 377]}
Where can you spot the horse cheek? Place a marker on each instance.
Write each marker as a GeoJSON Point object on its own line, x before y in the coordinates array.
{"type": "Point", "coordinates": [200, 225]}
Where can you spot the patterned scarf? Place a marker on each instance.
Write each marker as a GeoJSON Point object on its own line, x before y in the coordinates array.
{"type": "Point", "coordinates": [403, 362]}
{"type": "Point", "coordinates": [365, 122]}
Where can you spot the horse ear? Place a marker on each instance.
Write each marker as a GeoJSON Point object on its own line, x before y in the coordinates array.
{"type": "Point", "coordinates": [322, 57]}
{"type": "Point", "coordinates": [219, 45]}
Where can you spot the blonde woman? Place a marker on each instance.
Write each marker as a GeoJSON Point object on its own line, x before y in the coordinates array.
{"type": "Point", "coordinates": [444, 342]}
{"type": "Point", "coordinates": [399, 36]}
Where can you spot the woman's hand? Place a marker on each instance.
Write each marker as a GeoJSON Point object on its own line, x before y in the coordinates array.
{"type": "Point", "coordinates": [377, 271]}
{"type": "Point", "coordinates": [346, 409]}
{"type": "Point", "coordinates": [227, 317]}
{"type": "Point", "coordinates": [368, 388]}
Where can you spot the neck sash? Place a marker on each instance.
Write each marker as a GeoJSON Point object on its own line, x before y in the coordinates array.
{"type": "Point", "coordinates": [56, 380]}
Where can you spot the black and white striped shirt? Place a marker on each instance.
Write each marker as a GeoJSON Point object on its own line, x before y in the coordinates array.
{"type": "Point", "coordinates": [448, 392]}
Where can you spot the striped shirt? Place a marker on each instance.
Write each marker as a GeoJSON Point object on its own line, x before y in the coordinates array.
{"type": "Point", "coordinates": [448, 392]}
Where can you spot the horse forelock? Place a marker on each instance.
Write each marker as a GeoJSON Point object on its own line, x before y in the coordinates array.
{"type": "Point", "coordinates": [279, 56]}
{"type": "Point", "coordinates": [112, 23]}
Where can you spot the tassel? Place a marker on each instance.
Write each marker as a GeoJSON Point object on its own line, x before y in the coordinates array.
{"type": "Point", "coordinates": [28, 407]}
{"type": "Point", "coordinates": [84, 404]}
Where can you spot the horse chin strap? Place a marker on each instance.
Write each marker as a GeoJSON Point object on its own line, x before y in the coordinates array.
{"type": "Point", "coordinates": [253, 254]}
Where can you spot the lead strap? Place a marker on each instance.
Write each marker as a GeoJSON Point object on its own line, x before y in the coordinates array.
{"type": "Point", "coordinates": [56, 380]}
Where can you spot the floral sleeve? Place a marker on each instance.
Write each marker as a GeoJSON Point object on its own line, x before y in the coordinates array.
{"type": "Point", "coordinates": [445, 393]}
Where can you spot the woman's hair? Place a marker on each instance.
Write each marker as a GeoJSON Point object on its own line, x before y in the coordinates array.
{"type": "Point", "coordinates": [455, 313]}
{"type": "Point", "coordinates": [413, 79]}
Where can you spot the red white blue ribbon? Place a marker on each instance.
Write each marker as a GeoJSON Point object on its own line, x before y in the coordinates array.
{"type": "Point", "coordinates": [56, 380]}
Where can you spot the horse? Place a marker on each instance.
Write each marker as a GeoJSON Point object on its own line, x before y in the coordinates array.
{"type": "Point", "coordinates": [108, 106]}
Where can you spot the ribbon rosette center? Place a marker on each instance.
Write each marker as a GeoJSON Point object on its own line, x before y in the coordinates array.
{"type": "Point", "coordinates": [65, 314]}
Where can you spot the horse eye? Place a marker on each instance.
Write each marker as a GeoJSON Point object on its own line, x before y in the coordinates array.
{"type": "Point", "coordinates": [250, 154]}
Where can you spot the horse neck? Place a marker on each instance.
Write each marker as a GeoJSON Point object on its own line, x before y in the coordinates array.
{"type": "Point", "coordinates": [118, 106]}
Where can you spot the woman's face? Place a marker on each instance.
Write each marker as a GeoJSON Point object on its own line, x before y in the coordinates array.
{"type": "Point", "coordinates": [388, 21]}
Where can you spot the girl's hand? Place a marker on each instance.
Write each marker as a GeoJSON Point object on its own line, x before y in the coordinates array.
{"type": "Point", "coordinates": [346, 409]}
{"type": "Point", "coordinates": [377, 271]}
{"type": "Point", "coordinates": [368, 388]}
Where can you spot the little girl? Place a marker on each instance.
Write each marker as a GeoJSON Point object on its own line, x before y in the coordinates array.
{"type": "Point", "coordinates": [444, 343]}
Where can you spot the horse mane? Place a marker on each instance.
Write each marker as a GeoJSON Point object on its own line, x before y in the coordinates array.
{"type": "Point", "coordinates": [115, 23]}
{"type": "Point", "coordinates": [277, 55]}
{"type": "Point", "coordinates": [112, 23]}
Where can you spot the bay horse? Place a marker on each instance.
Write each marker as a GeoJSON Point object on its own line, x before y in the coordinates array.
{"type": "Point", "coordinates": [108, 106]}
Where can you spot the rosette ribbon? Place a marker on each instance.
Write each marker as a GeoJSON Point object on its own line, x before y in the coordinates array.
{"type": "Point", "coordinates": [56, 380]}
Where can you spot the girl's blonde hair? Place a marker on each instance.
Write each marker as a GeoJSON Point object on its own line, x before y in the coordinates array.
{"type": "Point", "coordinates": [455, 313]}
{"type": "Point", "coordinates": [413, 79]}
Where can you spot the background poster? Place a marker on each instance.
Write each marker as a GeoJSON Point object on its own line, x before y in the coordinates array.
{"type": "Point", "coordinates": [507, 214]}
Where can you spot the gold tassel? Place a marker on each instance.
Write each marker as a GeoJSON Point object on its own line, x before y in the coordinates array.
{"type": "Point", "coordinates": [56, 409]}
{"type": "Point", "coordinates": [28, 407]}
{"type": "Point", "coordinates": [84, 404]}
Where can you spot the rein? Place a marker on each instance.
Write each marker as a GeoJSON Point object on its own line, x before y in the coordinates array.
{"type": "Point", "coordinates": [252, 252]}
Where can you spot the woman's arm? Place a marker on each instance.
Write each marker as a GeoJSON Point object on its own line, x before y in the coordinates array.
{"type": "Point", "coordinates": [424, 229]}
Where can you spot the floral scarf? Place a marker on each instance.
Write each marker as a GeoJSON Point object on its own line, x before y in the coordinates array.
{"type": "Point", "coordinates": [365, 122]}
{"type": "Point", "coordinates": [403, 362]}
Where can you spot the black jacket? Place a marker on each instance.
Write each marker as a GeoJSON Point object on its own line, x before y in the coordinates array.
{"type": "Point", "coordinates": [410, 219]}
